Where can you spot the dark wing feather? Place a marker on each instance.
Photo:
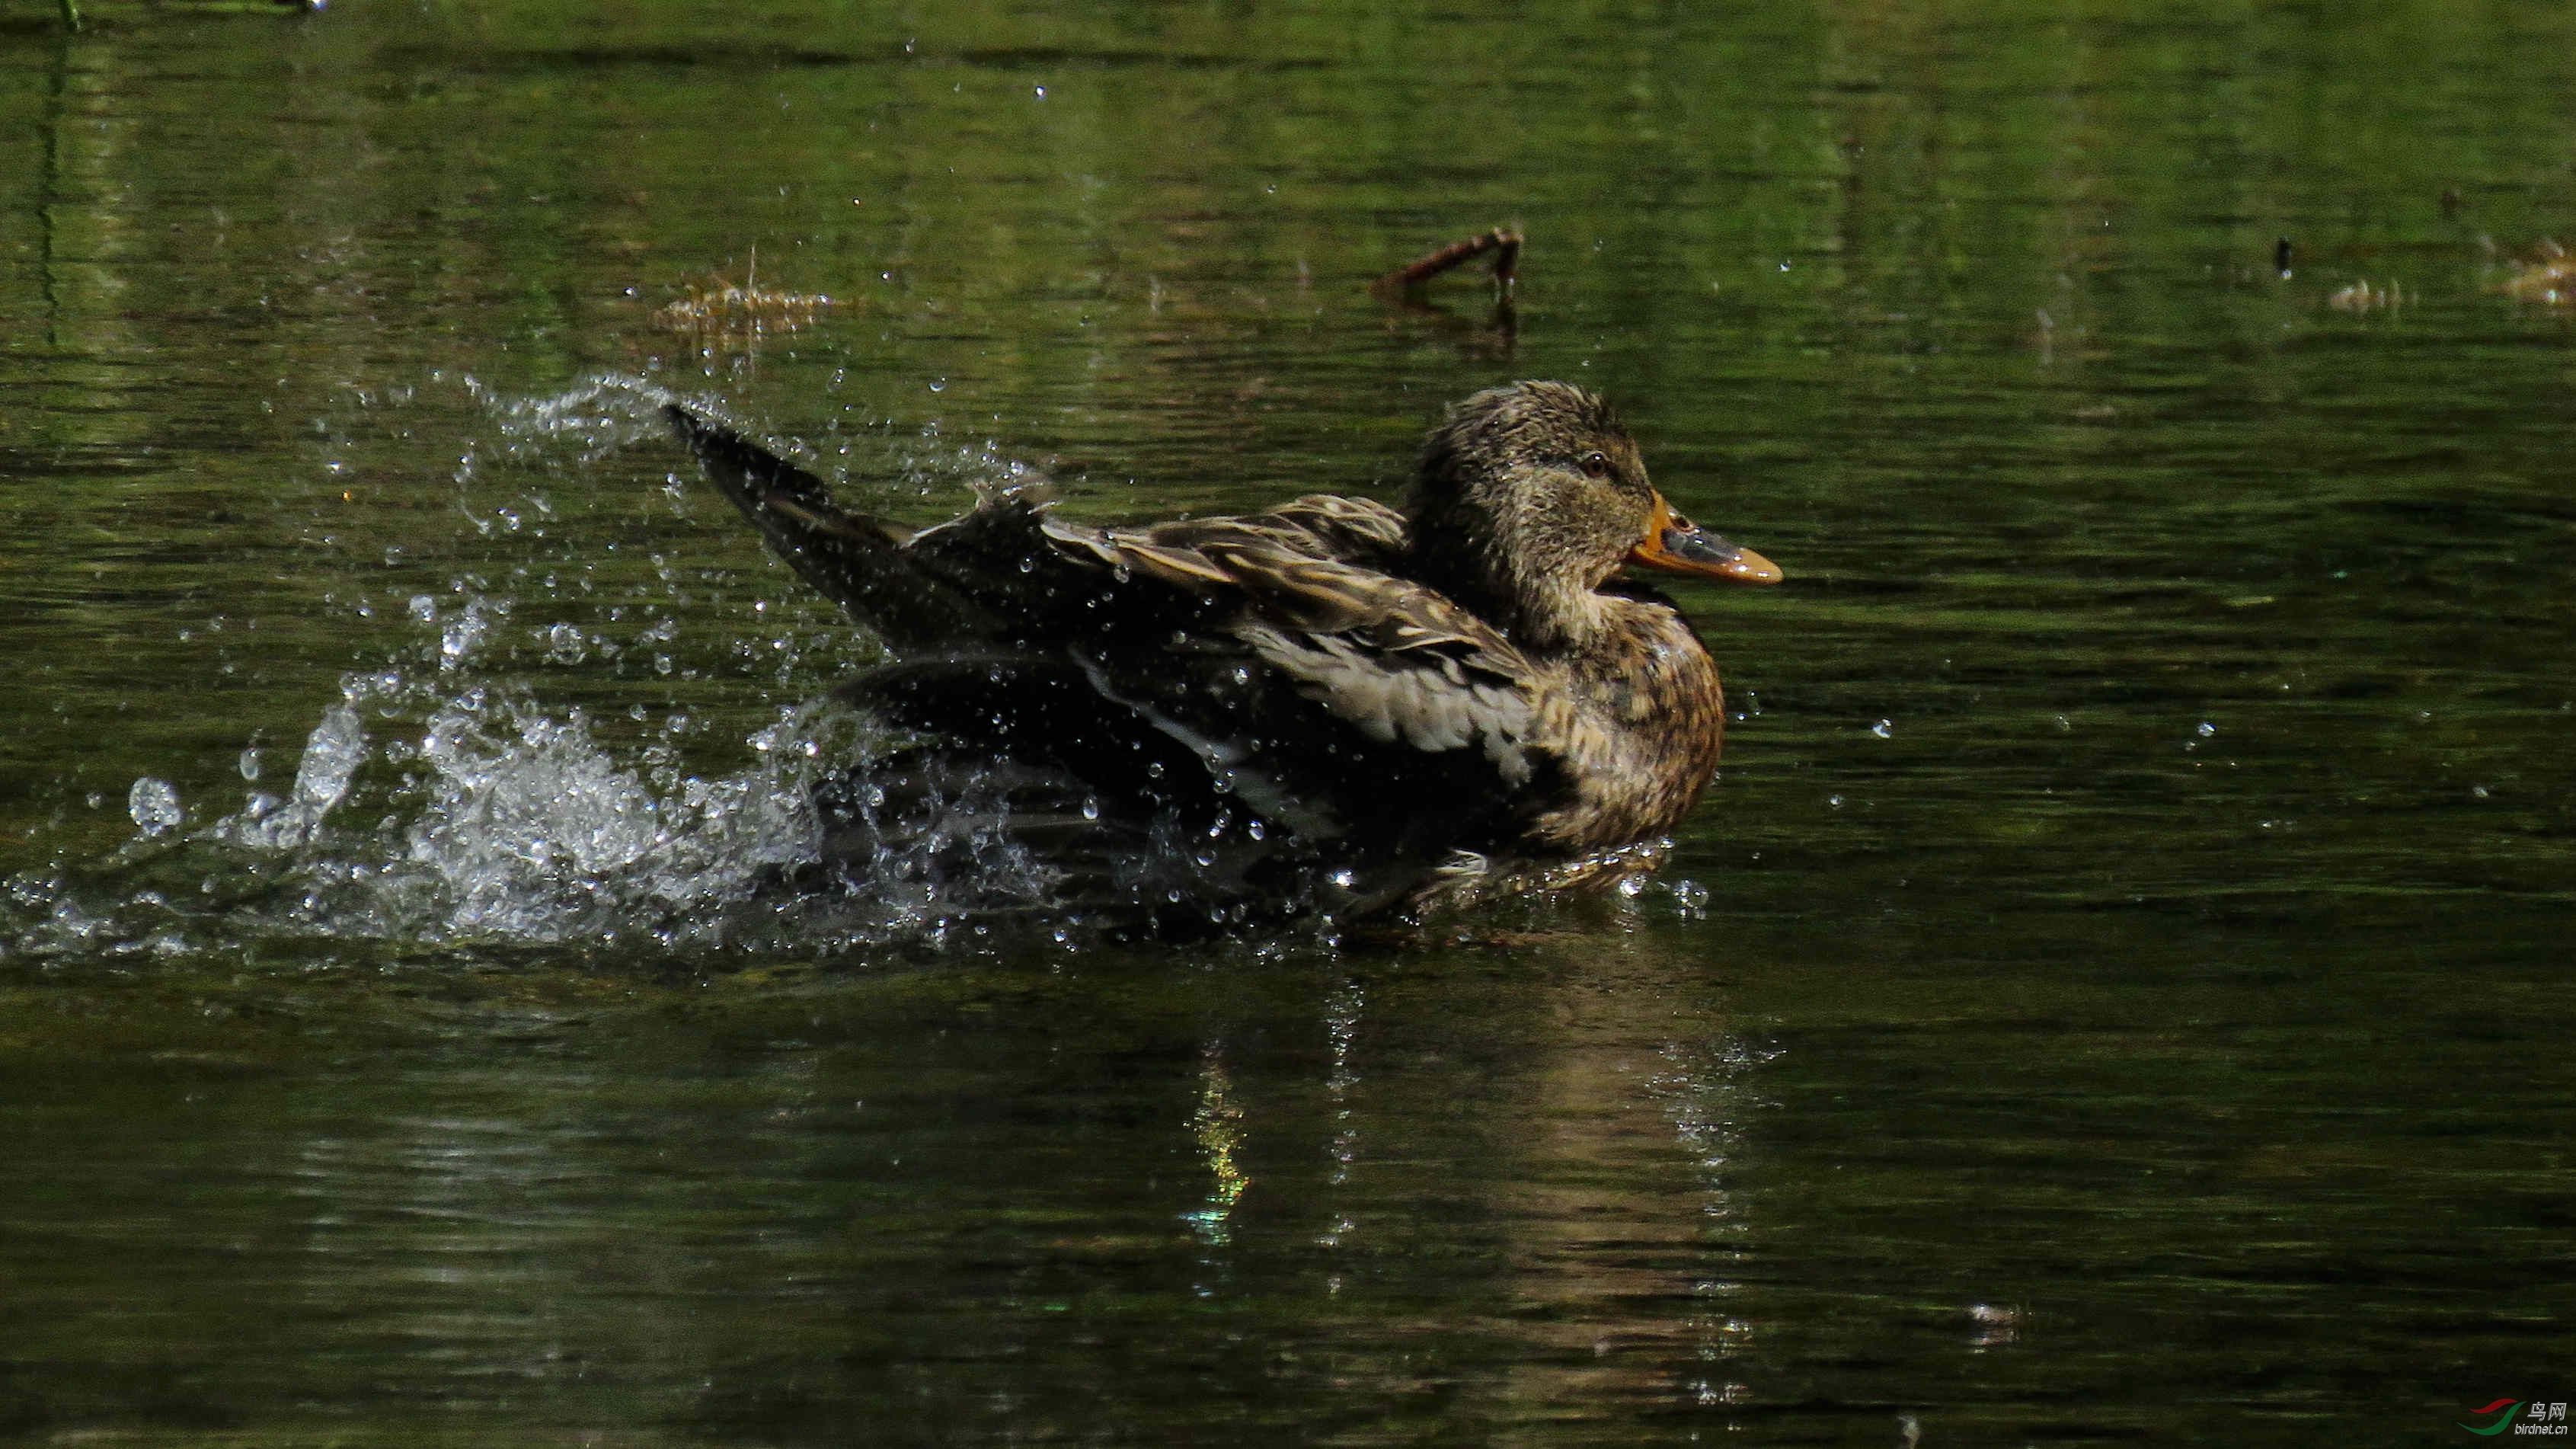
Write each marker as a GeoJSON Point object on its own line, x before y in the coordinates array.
{"type": "Point", "coordinates": [858, 562]}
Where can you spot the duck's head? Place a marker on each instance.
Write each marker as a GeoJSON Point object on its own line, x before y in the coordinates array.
{"type": "Point", "coordinates": [1531, 496]}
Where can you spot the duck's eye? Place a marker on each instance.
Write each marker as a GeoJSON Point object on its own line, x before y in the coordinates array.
{"type": "Point", "coordinates": [1596, 465]}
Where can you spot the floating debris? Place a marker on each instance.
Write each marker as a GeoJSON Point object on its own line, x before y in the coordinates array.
{"type": "Point", "coordinates": [2548, 278]}
{"type": "Point", "coordinates": [750, 310]}
{"type": "Point", "coordinates": [2363, 297]}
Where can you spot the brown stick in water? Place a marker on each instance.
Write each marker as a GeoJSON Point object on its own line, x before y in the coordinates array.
{"type": "Point", "coordinates": [1504, 242]}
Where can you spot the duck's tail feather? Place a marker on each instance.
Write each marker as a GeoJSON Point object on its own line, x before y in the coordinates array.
{"type": "Point", "coordinates": [856, 561]}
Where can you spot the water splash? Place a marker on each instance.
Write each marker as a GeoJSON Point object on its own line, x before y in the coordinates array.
{"type": "Point", "coordinates": [479, 817]}
{"type": "Point", "coordinates": [425, 817]}
{"type": "Point", "coordinates": [452, 799]}
{"type": "Point", "coordinates": [529, 830]}
{"type": "Point", "coordinates": [597, 417]}
{"type": "Point", "coordinates": [332, 754]}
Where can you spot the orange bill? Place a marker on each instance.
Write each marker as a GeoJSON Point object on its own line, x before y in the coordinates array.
{"type": "Point", "coordinates": [1676, 545]}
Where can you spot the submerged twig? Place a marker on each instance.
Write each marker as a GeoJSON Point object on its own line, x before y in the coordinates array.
{"type": "Point", "coordinates": [1503, 242]}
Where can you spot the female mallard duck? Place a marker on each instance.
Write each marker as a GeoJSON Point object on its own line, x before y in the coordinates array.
{"type": "Point", "coordinates": [1332, 706]}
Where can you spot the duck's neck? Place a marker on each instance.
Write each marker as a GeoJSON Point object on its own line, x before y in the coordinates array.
{"type": "Point", "coordinates": [1542, 602]}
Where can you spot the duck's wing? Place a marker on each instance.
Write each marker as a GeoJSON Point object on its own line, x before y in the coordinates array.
{"type": "Point", "coordinates": [1317, 601]}
{"type": "Point", "coordinates": [1168, 617]}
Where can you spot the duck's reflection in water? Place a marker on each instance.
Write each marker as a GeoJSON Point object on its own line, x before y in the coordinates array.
{"type": "Point", "coordinates": [1554, 1162]}
{"type": "Point", "coordinates": [1625, 1232]}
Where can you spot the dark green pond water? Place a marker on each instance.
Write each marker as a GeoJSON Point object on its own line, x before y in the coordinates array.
{"type": "Point", "coordinates": [2117, 990]}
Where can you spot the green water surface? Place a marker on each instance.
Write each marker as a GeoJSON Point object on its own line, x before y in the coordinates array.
{"type": "Point", "coordinates": [2116, 991]}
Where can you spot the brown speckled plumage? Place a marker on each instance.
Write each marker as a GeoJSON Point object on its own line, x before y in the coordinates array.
{"type": "Point", "coordinates": [1360, 707]}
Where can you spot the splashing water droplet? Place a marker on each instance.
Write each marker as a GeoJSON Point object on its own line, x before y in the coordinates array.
{"type": "Point", "coordinates": [331, 755]}
{"type": "Point", "coordinates": [461, 636]}
{"type": "Point", "coordinates": [565, 644]}
{"type": "Point", "coordinates": [154, 805]}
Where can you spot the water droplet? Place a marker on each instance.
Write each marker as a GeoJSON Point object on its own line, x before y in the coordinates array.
{"type": "Point", "coordinates": [1883, 729]}
{"type": "Point", "coordinates": [154, 805]}
{"type": "Point", "coordinates": [332, 754]}
{"type": "Point", "coordinates": [249, 764]}
{"type": "Point", "coordinates": [1835, 801]}
{"type": "Point", "coordinates": [939, 384]}
{"type": "Point", "coordinates": [2206, 729]}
